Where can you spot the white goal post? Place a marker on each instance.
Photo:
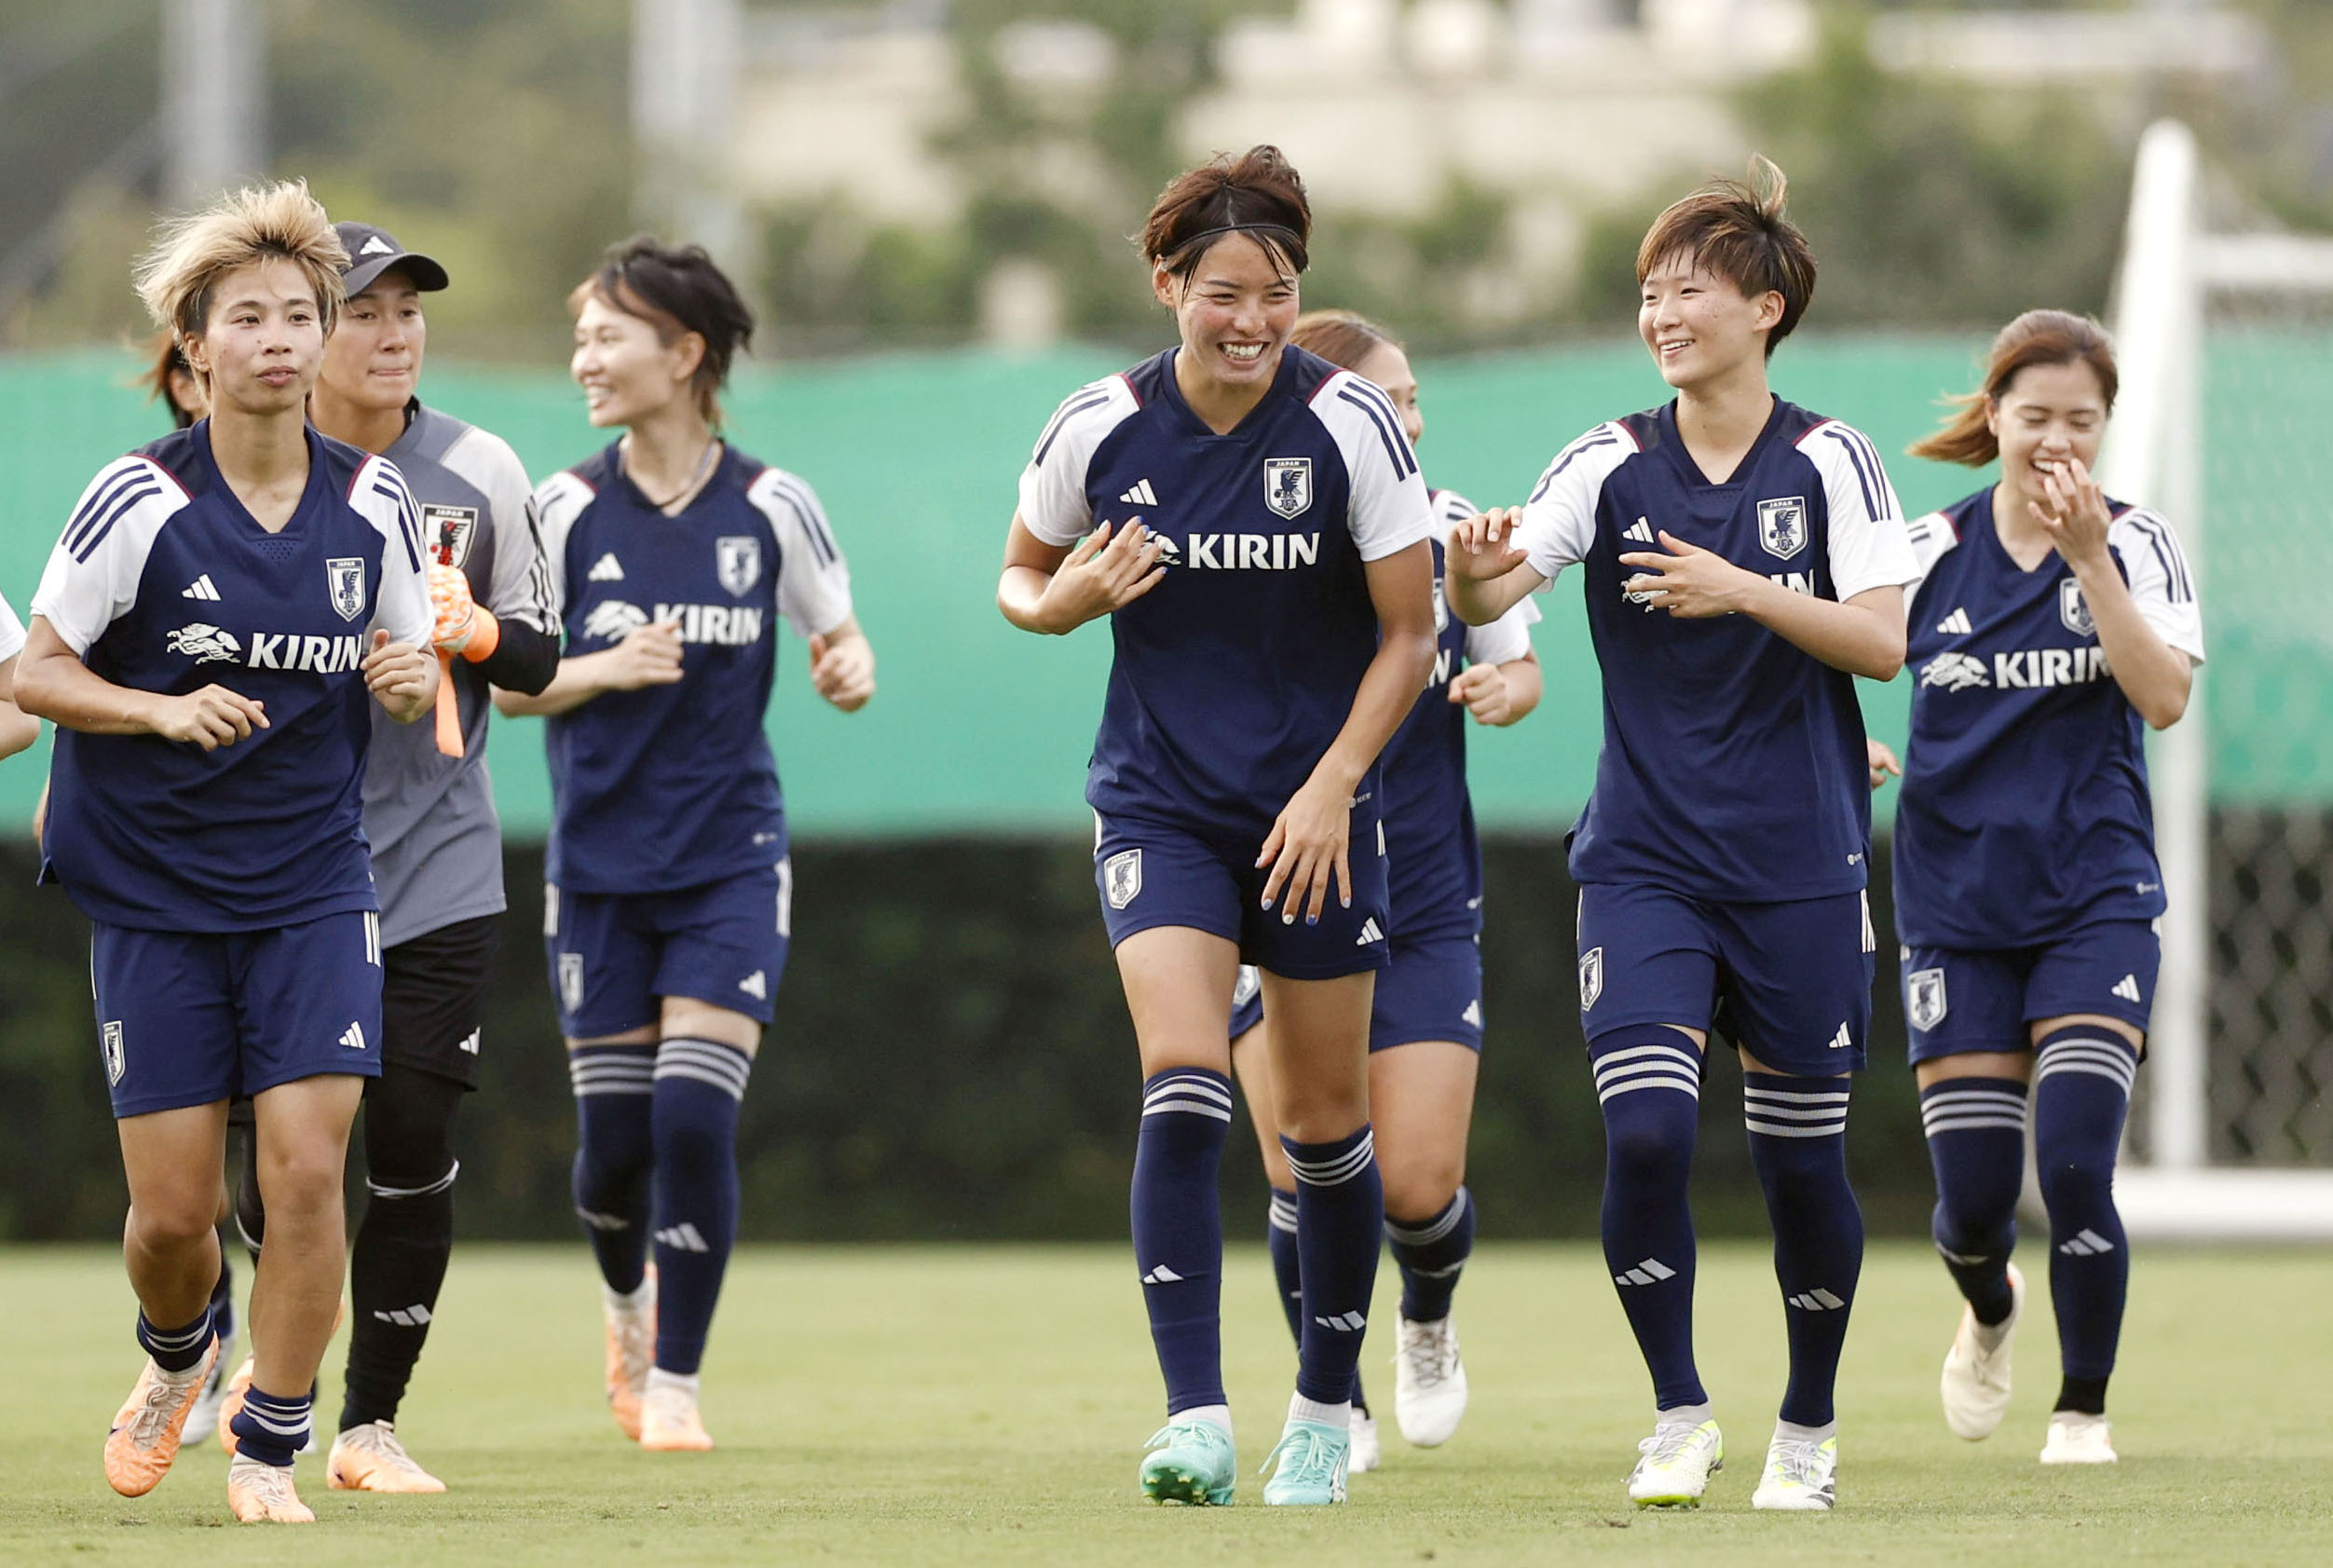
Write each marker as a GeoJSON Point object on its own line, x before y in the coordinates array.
{"type": "Point", "coordinates": [2189, 1179]}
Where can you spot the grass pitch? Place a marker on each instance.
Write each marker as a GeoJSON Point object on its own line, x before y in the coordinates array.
{"type": "Point", "coordinates": [988, 1406]}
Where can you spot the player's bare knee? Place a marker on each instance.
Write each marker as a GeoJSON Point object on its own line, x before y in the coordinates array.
{"type": "Point", "coordinates": [170, 1222]}
{"type": "Point", "coordinates": [1418, 1189]}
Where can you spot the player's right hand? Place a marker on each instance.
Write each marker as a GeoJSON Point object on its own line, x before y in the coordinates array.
{"type": "Point", "coordinates": [1881, 760]}
{"type": "Point", "coordinates": [1484, 546]}
{"type": "Point", "coordinates": [1101, 574]}
{"type": "Point", "coordinates": [210, 718]}
{"type": "Point", "coordinates": [649, 654]}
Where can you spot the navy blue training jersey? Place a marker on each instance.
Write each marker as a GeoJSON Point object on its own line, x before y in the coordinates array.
{"type": "Point", "coordinates": [1733, 763]}
{"type": "Point", "coordinates": [162, 581]}
{"type": "Point", "coordinates": [1231, 676]}
{"type": "Point", "coordinates": [674, 787]}
{"type": "Point", "coordinates": [1434, 861]}
{"type": "Point", "coordinates": [2025, 810]}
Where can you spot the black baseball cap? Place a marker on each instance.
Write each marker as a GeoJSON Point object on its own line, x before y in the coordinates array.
{"type": "Point", "coordinates": [373, 251]}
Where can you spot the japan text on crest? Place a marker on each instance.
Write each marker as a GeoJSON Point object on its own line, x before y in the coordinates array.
{"type": "Point", "coordinates": [345, 575]}
{"type": "Point", "coordinates": [737, 560]}
{"type": "Point", "coordinates": [1925, 1002]}
{"type": "Point", "coordinates": [447, 532]}
{"type": "Point", "coordinates": [1782, 526]}
{"type": "Point", "coordinates": [1288, 484]}
{"type": "Point", "coordinates": [2073, 610]}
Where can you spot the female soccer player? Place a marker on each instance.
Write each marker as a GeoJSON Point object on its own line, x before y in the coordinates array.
{"type": "Point", "coordinates": [210, 829]}
{"type": "Point", "coordinates": [1426, 1020]}
{"type": "Point", "coordinates": [1252, 521]}
{"type": "Point", "coordinates": [437, 845]}
{"type": "Point", "coordinates": [1744, 561]}
{"type": "Point", "coordinates": [670, 895]}
{"type": "Point", "coordinates": [2047, 623]}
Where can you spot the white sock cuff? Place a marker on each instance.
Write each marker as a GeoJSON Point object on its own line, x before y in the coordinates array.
{"type": "Point", "coordinates": [1338, 1415]}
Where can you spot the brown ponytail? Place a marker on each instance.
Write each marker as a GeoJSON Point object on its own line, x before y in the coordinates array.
{"type": "Point", "coordinates": [2038, 338]}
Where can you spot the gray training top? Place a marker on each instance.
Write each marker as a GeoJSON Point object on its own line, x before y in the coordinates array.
{"type": "Point", "coordinates": [437, 844]}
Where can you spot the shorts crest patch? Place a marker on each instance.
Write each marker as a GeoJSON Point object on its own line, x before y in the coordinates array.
{"type": "Point", "coordinates": [571, 981]}
{"type": "Point", "coordinates": [1121, 878]}
{"type": "Point", "coordinates": [1590, 977]}
{"type": "Point", "coordinates": [1925, 1002]}
{"type": "Point", "coordinates": [116, 1063]}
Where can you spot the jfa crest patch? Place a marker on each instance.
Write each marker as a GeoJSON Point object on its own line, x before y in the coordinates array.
{"type": "Point", "coordinates": [1590, 977]}
{"type": "Point", "coordinates": [345, 575]}
{"type": "Point", "coordinates": [116, 1063]}
{"type": "Point", "coordinates": [571, 981]}
{"type": "Point", "coordinates": [1925, 1002]}
{"type": "Point", "coordinates": [737, 559]}
{"type": "Point", "coordinates": [2073, 610]}
{"type": "Point", "coordinates": [1243, 989]}
{"type": "Point", "coordinates": [447, 532]}
{"type": "Point", "coordinates": [1288, 484]}
{"type": "Point", "coordinates": [1782, 526]}
{"type": "Point", "coordinates": [1121, 878]}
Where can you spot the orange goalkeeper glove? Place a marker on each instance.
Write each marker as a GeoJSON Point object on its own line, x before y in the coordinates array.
{"type": "Point", "coordinates": [464, 626]}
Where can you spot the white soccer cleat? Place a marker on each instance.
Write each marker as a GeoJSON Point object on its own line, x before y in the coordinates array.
{"type": "Point", "coordinates": [1976, 1368]}
{"type": "Point", "coordinates": [631, 1335]}
{"type": "Point", "coordinates": [1366, 1454]}
{"type": "Point", "coordinates": [369, 1457]}
{"type": "Point", "coordinates": [262, 1495]}
{"type": "Point", "coordinates": [1801, 1477]}
{"type": "Point", "coordinates": [203, 1420]}
{"type": "Point", "coordinates": [1430, 1387]}
{"type": "Point", "coordinates": [2076, 1438]}
{"type": "Point", "coordinates": [669, 1422]}
{"type": "Point", "coordinates": [1674, 1465]}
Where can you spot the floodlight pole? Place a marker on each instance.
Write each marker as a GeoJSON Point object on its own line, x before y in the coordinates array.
{"type": "Point", "coordinates": [214, 97]}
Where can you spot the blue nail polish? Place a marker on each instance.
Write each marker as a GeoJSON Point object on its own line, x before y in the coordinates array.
{"type": "Point", "coordinates": [1312, 920]}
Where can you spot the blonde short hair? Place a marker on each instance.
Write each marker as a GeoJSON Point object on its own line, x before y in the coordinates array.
{"type": "Point", "coordinates": [190, 255]}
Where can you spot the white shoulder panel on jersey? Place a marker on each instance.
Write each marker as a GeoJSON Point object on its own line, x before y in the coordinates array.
{"type": "Point", "coordinates": [2161, 583]}
{"type": "Point", "coordinates": [1053, 504]}
{"type": "Point", "coordinates": [1559, 521]}
{"type": "Point", "coordinates": [814, 579]}
{"type": "Point", "coordinates": [381, 496]}
{"type": "Point", "coordinates": [1868, 546]}
{"type": "Point", "coordinates": [558, 501]}
{"type": "Point", "coordinates": [520, 589]}
{"type": "Point", "coordinates": [1932, 535]}
{"type": "Point", "coordinates": [92, 578]}
{"type": "Point", "coordinates": [1509, 638]}
{"type": "Point", "coordinates": [1389, 510]}
{"type": "Point", "coordinates": [11, 632]}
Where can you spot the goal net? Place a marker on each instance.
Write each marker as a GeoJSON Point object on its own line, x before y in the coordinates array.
{"type": "Point", "coordinates": [2225, 425]}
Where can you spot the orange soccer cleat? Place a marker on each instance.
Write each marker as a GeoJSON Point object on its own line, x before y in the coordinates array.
{"type": "Point", "coordinates": [669, 1421]}
{"type": "Point", "coordinates": [146, 1428]}
{"type": "Point", "coordinates": [631, 1351]}
{"type": "Point", "coordinates": [370, 1458]}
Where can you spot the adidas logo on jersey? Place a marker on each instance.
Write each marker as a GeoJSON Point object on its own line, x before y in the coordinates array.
{"type": "Point", "coordinates": [1141, 494]}
{"type": "Point", "coordinates": [1162, 1276]}
{"type": "Point", "coordinates": [755, 985]}
{"type": "Point", "coordinates": [1369, 932]}
{"type": "Point", "coordinates": [2127, 987]}
{"type": "Point", "coordinates": [353, 1037]}
{"type": "Point", "coordinates": [1344, 1322]}
{"type": "Point", "coordinates": [1641, 531]}
{"type": "Point", "coordinates": [1816, 1299]}
{"type": "Point", "coordinates": [201, 588]}
{"type": "Point", "coordinates": [606, 570]}
{"type": "Point", "coordinates": [1652, 1271]}
{"type": "Point", "coordinates": [1956, 624]}
{"type": "Point", "coordinates": [2086, 1243]}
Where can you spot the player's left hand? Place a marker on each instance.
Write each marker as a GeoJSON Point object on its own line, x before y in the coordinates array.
{"type": "Point", "coordinates": [1309, 845]}
{"type": "Point", "coordinates": [401, 677]}
{"type": "Point", "coordinates": [1485, 693]}
{"type": "Point", "coordinates": [842, 669]}
{"type": "Point", "coordinates": [1882, 761]}
{"type": "Point", "coordinates": [1689, 582]}
{"type": "Point", "coordinates": [2072, 511]}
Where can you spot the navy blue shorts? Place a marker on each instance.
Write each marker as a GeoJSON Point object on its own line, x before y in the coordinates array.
{"type": "Point", "coordinates": [1958, 1000]}
{"type": "Point", "coordinates": [1432, 990]}
{"type": "Point", "coordinates": [614, 957]}
{"type": "Point", "coordinates": [1150, 874]}
{"type": "Point", "coordinates": [1789, 982]}
{"type": "Point", "coordinates": [188, 1018]}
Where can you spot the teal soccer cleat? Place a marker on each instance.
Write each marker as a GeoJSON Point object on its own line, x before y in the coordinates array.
{"type": "Point", "coordinates": [1308, 1465]}
{"type": "Point", "coordinates": [1190, 1462]}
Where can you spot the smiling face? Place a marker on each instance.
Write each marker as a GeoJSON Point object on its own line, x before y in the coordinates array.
{"type": "Point", "coordinates": [2046, 416]}
{"type": "Point", "coordinates": [627, 372]}
{"type": "Point", "coordinates": [1388, 368]}
{"type": "Point", "coordinates": [1234, 312]}
{"type": "Point", "coordinates": [263, 340]}
{"type": "Point", "coordinates": [374, 358]}
{"type": "Point", "coordinates": [1701, 327]}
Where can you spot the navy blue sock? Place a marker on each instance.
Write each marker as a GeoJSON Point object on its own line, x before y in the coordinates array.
{"type": "Point", "coordinates": [1976, 1140]}
{"type": "Point", "coordinates": [700, 1084]}
{"type": "Point", "coordinates": [615, 1155]}
{"type": "Point", "coordinates": [1289, 1275]}
{"type": "Point", "coordinates": [270, 1429]}
{"type": "Point", "coordinates": [180, 1349]}
{"type": "Point", "coordinates": [1178, 1227]}
{"type": "Point", "coordinates": [2081, 1092]}
{"type": "Point", "coordinates": [1648, 1085]}
{"type": "Point", "coordinates": [1431, 1253]}
{"type": "Point", "coordinates": [1798, 1143]}
{"type": "Point", "coordinates": [223, 1299]}
{"type": "Point", "coordinates": [1340, 1217]}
